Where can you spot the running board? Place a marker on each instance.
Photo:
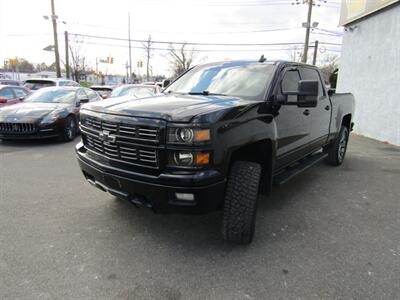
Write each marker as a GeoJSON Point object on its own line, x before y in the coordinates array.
{"type": "Point", "coordinates": [304, 164]}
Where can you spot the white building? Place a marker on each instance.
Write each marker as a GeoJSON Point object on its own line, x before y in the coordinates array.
{"type": "Point", "coordinates": [370, 66]}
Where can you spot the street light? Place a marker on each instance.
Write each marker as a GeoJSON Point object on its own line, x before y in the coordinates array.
{"type": "Point", "coordinates": [49, 48]}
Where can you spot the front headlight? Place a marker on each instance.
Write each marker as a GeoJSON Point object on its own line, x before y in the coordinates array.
{"type": "Point", "coordinates": [184, 135]}
{"type": "Point", "coordinates": [50, 118]}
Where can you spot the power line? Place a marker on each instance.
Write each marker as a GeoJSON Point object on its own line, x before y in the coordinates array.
{"type": "Point", "coordinates": [237, 4]}
{"type": "Point", "coordinates": [227, 32]}
{"type": "Point", "coordinates": [230, 3]}
{"type": "Point", "coordinates": [192, 32]}
{"type": "Point", "coordinates": [215, 23]}
{"type": "Point", "coordinates": [196, 43]}
{"type": "Point", "coordinates": [326, 34]}
{"type": "Point", "coordinates": [329, 32]}
{"type": "Point", "coordinates": [199, 50]}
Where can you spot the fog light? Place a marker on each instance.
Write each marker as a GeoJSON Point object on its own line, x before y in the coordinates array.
{"type": "Point", "coordinates": [184, 196]}
{"type": "Point", "coordinates": [183, 158]}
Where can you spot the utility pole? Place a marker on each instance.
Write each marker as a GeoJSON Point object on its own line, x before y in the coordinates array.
{"type": "Point", "coordinates": [148, 50]}
{"type": "Point", "coordinates": [54, 20]}
{"type": "Point", "coordinates": [314, 61]}
{"type": "Point", "coordinates": [308, 27]}
{"type": "Point", "coordinates": [66, 55]}
{"type": "Point", "coordinates": [130, 54]}
{"type": "Point", "coordinates": [127, 71]}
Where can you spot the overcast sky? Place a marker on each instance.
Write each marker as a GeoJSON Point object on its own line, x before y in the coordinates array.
{"type": "Point", "coordinates": [24, 32]}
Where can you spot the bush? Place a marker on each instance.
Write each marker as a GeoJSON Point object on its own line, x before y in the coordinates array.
{"type": "Point", "coordinates": [85, 83]}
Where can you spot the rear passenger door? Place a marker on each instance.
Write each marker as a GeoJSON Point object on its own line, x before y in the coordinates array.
{"type": "Point", "coordinates": [321, 114]}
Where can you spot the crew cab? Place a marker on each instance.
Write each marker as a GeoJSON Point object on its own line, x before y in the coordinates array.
{"type": "Point", "coordinates": [219, 135]}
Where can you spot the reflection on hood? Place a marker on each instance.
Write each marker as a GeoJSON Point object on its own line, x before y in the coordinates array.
{"type": "Point", "coordinates": [28, 112]}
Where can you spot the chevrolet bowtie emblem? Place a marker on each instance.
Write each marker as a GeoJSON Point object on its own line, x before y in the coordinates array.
{"type": "Point", "coordinates": [107, 137]}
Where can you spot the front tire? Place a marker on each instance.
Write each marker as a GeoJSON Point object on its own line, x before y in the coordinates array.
{"type": "Point", "coordinates": [337, 151]}
{"type": "Point", "coordinates": [70, 129]}
{"type": "Point", "coordinates": [240, 203]}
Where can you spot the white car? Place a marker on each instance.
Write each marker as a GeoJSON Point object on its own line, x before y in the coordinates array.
{"type": "Point", "coordinates": [38, 83]}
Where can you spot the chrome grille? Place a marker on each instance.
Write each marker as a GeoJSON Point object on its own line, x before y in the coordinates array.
{"type": "Point", "coordinates": [121, 142]}
{"type": "Point", "coordinates": [17, 128]}
{"type": "Point", "coordinates": [129, 131]}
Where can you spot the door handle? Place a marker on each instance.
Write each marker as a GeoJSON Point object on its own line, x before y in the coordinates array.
{"type": "Point", "coordinates": [327, 107]}
{"type": "Point", "coordinates": [306, 112]}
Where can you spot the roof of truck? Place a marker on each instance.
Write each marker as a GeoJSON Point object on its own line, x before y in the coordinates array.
{"type": "Point", "coordinates": [267, 62]}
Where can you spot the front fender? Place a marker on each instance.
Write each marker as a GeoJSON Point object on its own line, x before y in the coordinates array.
{"type": "Point", "coordinates": [237, 134]}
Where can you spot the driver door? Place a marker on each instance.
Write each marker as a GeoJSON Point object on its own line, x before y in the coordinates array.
{"type": "Point", "coordinates": [293, 123]}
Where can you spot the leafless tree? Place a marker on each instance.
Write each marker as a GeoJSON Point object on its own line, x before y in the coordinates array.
{"type": "Point", "coordinates": [181, 59]}
{"type": "Point", "coordinates": [78, 59]}
{"type": "Point", "coordinates": [295, 54]}
{"type": "Point", "coordinates": [147, 47]}
{"type": "Point", "coordinates": [328, 65]}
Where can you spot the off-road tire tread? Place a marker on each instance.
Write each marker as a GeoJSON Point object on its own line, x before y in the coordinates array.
{"type": "Point", "coordinates": [240, 203]}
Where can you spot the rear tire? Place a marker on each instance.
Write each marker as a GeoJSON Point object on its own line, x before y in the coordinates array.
{"type": "Point", "coordinates": [240, 203]}
{"type": "Point", "coordinates": [337, 151]}
{"type": "Point", "coordinates": [70, 129]}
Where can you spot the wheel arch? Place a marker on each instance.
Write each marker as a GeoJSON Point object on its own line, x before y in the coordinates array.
{"type": "Point", "coordinates": [346, 121]}
{"type": "Point", "coordinates": [262, 152]}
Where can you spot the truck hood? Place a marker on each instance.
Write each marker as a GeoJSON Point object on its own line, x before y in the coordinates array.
{"type": "Point", "coordinates": [28, 111]}
{"type": "Point", "coordinates": [173, 107]}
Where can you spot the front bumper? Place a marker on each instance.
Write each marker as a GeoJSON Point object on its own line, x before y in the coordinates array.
{"type": "Point", "coordinates": [156, 192]}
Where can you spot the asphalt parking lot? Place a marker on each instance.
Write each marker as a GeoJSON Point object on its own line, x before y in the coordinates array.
{"type": "Point", "coordinates": [330, 233]}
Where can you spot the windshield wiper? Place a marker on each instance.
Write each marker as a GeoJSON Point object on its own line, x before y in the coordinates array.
{"type": "Point", "coordinates": [206, 93]}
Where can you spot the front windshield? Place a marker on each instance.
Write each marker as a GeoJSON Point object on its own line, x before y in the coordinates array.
{"type": "Point", "coordinates": [245, 80]}
{"type": "Point", "coordinates": [52, 96]}
{"type": "Point", "coordinates": [135, 91]}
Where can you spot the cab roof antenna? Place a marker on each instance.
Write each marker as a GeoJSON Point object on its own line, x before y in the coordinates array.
{"type": "Point", "coordinates": [262, 59]}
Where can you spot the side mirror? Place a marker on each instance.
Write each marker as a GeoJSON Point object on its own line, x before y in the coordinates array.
{"type": "Point", "coordinates": [307, 93]}
{"type": "Point", "coordinates": [280, 99]}
{"type": "Point", "coordinates": [331, 92]}
{"type": "Point", "coordinates": [21, 98]}
{"type": "Point", "coordinates": [165, 83]}
{"type": "Point", "coordinates": [3, 100]}
{"type": "Point", "coordinates": [84, 100]}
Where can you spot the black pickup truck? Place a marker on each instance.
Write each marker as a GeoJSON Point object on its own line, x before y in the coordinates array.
{"type": "Point", "coordinates": [219, 135]}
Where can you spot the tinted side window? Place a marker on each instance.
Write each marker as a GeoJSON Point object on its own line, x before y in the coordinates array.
{"type": "Point", "coordinates": [81, 94]}
{"type": "Point", "coordinates": [92, 95]}
{"type": "Point", "coordinates": [312, 74]}
{"type": "Point", "coordinates": [290, 81]}
{"type": "Point", "coordinates": [20, 92]}
{"type": "Point", "coordinates": [7, 93]}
